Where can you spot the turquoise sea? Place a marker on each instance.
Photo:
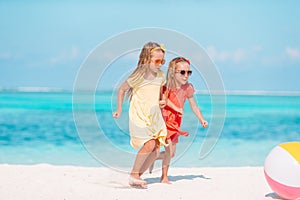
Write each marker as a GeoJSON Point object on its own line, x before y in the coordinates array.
{"type": "Point", "coordinates": [39, 127]}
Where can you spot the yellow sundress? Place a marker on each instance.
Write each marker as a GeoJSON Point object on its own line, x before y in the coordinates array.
{"type": "Point", "coordinates": [145, 118]}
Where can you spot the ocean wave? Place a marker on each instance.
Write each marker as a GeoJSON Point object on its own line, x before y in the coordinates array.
{"type": "Point", "coordinates": [250, 92]}
{"type": "Point", "coordinates": [32, 89]}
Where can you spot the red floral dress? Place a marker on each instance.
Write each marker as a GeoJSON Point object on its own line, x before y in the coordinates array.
{"type": "Point", "coordinates": [173, 118]}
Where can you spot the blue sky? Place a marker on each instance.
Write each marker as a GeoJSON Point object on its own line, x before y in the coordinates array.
{"type": "Point", "coordinates": [255, 45]}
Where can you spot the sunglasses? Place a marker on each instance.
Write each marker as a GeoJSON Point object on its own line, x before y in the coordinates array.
{"type": "Point", "coordinates": [183, 72]}
{"type": "Point", "coordinates": [159, 61]}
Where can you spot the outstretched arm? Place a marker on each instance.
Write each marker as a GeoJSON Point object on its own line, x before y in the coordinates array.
{"type": "Point", "coordinates": [121, 93]}
{"type": "Point", "coordinates": [197, 111]}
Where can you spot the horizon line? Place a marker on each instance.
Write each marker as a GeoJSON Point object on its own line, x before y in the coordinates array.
{"type": "Point", "coordinates": [225, 92]}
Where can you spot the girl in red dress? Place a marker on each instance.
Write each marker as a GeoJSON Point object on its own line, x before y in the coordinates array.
{"type": "Point", "coordinates": [176, 91]}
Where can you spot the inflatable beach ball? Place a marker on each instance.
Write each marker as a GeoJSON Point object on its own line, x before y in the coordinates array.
{"type": "Point", "coordinates": [282, 170]}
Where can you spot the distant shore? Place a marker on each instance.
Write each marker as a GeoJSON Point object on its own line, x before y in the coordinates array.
{"type": "Point", "coordinates": [226, 92]}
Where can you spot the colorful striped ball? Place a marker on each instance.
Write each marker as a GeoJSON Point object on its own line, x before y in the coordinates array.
{"type": "Point", "coordinates": [282, 170]}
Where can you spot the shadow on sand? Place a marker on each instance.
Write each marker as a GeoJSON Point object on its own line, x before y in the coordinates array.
{"type": "Point", "coordinates": [175, 178]}
{"type": "Point", "coordinates": [117, 184]}
{"type": "Point", "coordinates": [274, 196]}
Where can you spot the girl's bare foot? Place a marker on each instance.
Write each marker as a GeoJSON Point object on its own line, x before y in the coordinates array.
{"type": "Point", "coordinates": [137, 182]}
{"type": "Point", "coordinates": [165, 180]}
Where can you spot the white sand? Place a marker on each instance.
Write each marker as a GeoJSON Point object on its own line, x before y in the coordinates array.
{"type": "Point", "coordinates": [85, 183]}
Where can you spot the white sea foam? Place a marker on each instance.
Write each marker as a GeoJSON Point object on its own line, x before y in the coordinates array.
{"type": "Point", "coordinates": [32, 89]}
{"type": "Point", "coordinates": [250, 92]}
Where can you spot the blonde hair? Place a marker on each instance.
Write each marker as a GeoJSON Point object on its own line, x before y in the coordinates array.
{"type": "Point", "coordinates": [171, 72]}
{"type": "Point", "coordinates": [143, 63]}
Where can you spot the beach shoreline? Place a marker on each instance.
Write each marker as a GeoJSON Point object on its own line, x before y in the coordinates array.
{"type": "Point", "coordinates": [44, 181]}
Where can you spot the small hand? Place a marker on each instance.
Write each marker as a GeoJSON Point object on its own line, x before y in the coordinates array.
{"type": "Point", "coordinates": [204, 124]}
{"type": "Point", "coordinates": [117, 114]}
{"type": "Point", "coordinates": [180, 110]}
{"type": "Point", "coordinates": [162, 103]}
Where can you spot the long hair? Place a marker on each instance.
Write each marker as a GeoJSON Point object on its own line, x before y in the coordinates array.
{"type": "Point", "coordinates": [171, 84]}
{"type": "Point", "coordinates": [143, 63]}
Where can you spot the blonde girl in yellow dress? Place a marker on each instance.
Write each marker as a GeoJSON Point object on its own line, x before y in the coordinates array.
{"type": "Point", "coordinates": [146, 124]}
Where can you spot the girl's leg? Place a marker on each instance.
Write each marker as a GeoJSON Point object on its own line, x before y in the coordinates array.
{"type": "Point", "coordinates": [169, 153]}
{"type": "Point", "coordinates": [141, 157]}
{"type": "Point", "coordinates": [159, 156]}
{"type": "Point", "coordinates": [151, 158]}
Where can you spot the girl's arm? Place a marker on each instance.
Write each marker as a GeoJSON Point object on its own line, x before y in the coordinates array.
{"type": "Point", "coordinates": [197, 111]}
{"type": "Point", "coordinates": [164, 101]}
{"type": "Point", "coordinates": [174, 107]}
{"type": "Point", "coordinates": [121, 93]}
{"type": "Point", "coordinates": [162, 98]}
